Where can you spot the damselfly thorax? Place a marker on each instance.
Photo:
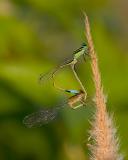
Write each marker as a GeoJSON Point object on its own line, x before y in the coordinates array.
{"type": "Point", "coordinates": [77, 100]}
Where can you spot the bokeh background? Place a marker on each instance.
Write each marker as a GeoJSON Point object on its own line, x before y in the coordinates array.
{"type": "Point", "coordinates": [37, 35]}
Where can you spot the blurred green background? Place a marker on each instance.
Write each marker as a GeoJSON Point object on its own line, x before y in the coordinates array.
{"type": "Point", "coordinates": [37, 35]}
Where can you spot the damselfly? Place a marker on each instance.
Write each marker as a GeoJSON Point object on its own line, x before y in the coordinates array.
{"type": "Point", "coordinates": [44, 116]}
{"type": "Point", "coordinates": [82, 51]}
{"type": "Point", "coordinates": [78, 99]}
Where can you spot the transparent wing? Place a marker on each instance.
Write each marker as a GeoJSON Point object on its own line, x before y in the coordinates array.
{"type": "Point", "coordinates": [40, 118]}
{"type": "Point", "coordinates": [43, 116]}
{"type": "Point", "coordinates": [47, 76]}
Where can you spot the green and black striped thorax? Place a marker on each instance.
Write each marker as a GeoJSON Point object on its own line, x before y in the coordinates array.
{"type": "Point", "coordinates": [83, 50]}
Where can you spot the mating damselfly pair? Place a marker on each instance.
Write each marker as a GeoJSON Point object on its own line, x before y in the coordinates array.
{"type": "Point", "coordinates": [77, 99]}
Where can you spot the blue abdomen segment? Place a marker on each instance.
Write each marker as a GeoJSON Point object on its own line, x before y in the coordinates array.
{"type": "Point", "coordinates": [72, 91]}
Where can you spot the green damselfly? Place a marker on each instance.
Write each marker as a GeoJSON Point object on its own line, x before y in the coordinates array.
{"type": "Point", "coordinates": [82, 51]}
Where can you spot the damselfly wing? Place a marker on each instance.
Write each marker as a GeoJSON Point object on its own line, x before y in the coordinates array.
{"type": "Point", "coordinates": [45, 116]}
{"type": "Point", "coordinates": [40, 117]}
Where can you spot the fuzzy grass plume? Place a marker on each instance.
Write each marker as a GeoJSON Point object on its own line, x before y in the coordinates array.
{"type": "Point", "coordinates": [105, 144]}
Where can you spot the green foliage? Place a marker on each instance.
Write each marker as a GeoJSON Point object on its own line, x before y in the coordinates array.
{"type": "Point", "coordinates": [35, 36]}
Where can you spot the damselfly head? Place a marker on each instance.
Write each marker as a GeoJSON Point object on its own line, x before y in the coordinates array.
{"type": "Point", "coordinates": [83, 44]}
{"type": "Point", "coordinates": [85, 47]}
{"type": "Point", "coordinates": [82, 48]}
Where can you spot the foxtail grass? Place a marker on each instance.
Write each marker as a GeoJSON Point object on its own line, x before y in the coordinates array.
{"type": "Point", "coordinates": [105, 143]}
